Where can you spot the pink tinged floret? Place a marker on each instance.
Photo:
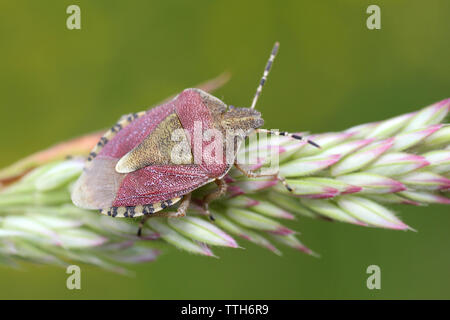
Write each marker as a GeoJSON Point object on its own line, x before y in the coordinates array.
{"type": "Point", "coordinates": [432, 129]}
{"type": "Point", "coordinates": [411, 202]}
{"type": "Point", "coordinates": [328, 162]}
{"type": "Point", "coordinates": [305, 250]}
{"type": "Point", "coordinates": [397, 226]}
{"type": "Point", "coordinates": [363, 142]}
{"type": "Point", "coordinates": [394, 185]}
{"type": "Point", "coordinates": [392, 164]}
{"type": "Point", "coordinates": [99, 241]}
{"type": "Point", "coordinates": [430, 115]}
{"type": "Point", "coordinates": [205, 249]}
{"type": "Point", "coordinates": [347, 147]}
{"type": "Point", "coordinates": [291, 147]}
{"type": "Point", "coordinates": [287, 215]}
{"type": "Point", "coordinates": [382, 147]}
{"type": "Point", "coordinates": [443, 104]}
{"type": "Point", "coordinates": [272, 248]}
{"type": "Point", "coordinates": [440, 160]}
{"type": "Point", "coordinates": [327, 192]}
{"type": "Point", "coordinates": [228, 179]}
{"type": "Point", "coordinates": [259, 185]}
{"type": "Point", "coordinates": [441, 199]}
{"type": "Point", "coordinates": [147, 256]}
{"type": "Point", "coordinates": [360, 223]}
{"type": "Point", "coordinates": [246, 237]}
{"type": "Point", "coordinates": [259, 163]}
{"type": "Point", "coordinates": [268, 150]}
{"type": "Point", "coordinates": [308, 165]}
{"type": "Point", "coordinates": [264, 146]}
{"type": "Point", "coordinates": [230, 242]}
{"type": "Point", "coordinates": [251, 202]}
{"type": "Point", "coordinates": [283, 231]}
{"type": "Point", "coordinates": [266, 153]}
{"type": "Point", "coordinates": [363, 130]}
{"type": "Point", "coordinates": [152, 236]}
{"type": "Point", "coordinates": [362, 157]}
{"type": "Point", "coordinates": [251, 185]}
{"type": "Point", "coordinates": [235, 191]}
{"type": "Point", "coordinates": [443, 182]}
{"type": "Point", "coordinates": [281, 149]}
{"type": "Point", "coordinates": [374, 183]}
{"type": "Point", "coordinates": [397, 187]}
{"type": "Point", "coordinates": [119, 245]}
{"type": "Point", "coordinates": [410, 139]}
{"type": "Point", "coordinates": [329, 139]}
{"type": "Point", "coordinates": [321, 196]}
{"type": "Point", "coordinates": [351, 189]}
{"type": "Point", "coordinates": [415, 161]}
{"type": "Point", "coordinates": [320, 164]}
{"type": "Point", "coordinates": [428, 180]}
{"type": "Point", "coordinates": [389, 127]}
{"type": "Point", "coordinates": [425, 197]}
{"type": "Point", "coordinates": [418, 160]}
{"type": "Point", "coordinates": [265, 244]}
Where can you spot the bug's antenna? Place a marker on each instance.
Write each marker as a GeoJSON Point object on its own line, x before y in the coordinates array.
{"type": "Point", "coordinates": [287, 134]}
{"type": "Point", "coordinates": [265, 74]}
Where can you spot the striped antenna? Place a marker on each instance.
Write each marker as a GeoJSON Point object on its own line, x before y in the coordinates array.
{"type": "Point", "coordinates": [265, 74]}
{"type": "Point", "coordinates": [287, 134]}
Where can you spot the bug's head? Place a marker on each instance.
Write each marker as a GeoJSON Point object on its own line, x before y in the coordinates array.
{"type": "Point", "coordinates": [244, 119]}
{"type": "Point", "coordinates": [230, 117]}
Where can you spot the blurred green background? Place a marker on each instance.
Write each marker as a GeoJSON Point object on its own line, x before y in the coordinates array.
{"type": "Point", "coordinates": [331, 73]}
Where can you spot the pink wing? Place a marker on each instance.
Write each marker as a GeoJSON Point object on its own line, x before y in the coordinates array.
{"type": "Point", "coordinates": [192, 112]}
{"type": "Point", "coordinates": [154, 184]}
{"type": "Point", "coordinates": [130, 136]}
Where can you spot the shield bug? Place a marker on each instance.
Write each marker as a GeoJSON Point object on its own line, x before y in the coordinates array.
{"type": "Point", "coordinates": [132, 170]}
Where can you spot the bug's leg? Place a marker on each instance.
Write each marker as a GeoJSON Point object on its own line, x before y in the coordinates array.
{"type": "Point", "coordinates": [252, 174]}
{"type": "Point", "coordinates": [181, 212]}
{"type": "Point", "coordinates": [287, 134]}
{"type": "Point", "coordinates": [141, 225]}
{"type": "Point", "coordinates": [220, 191]}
